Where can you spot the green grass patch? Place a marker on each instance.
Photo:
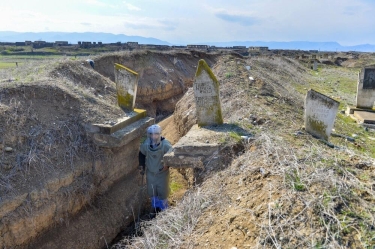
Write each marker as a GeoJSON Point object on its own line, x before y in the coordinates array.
{"type": "Point", "coordinates": [295, 181]}
{"type": "Point", "coordinates": [4, 65]}
{"type": "Point", "coordinates": [175, 186]}
{"type": "Point", "coordinates": [235, 136]}
{"type": "Point", "coordinates": [228, 75]}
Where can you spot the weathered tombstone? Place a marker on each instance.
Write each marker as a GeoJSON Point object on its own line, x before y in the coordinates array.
{"type": "Point", "coordinates": [126, 84]}
{"type": "Point", "coordinates": [315, 67]}
{"type": "Point", "coordinates": [207, 96]}
{"type": "Point", "coordinates": [320, 114]}
{"type": "Point", "coordinates": [366, 88]}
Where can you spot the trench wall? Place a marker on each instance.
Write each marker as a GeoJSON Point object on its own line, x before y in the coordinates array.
{"type": "Point", "coordinates": [83, 208]}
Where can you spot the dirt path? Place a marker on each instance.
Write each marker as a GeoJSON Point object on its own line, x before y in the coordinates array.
{"type": "Point", "coordinates": [178, 183]}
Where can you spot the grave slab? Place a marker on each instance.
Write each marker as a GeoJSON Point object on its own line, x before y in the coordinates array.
{"type": "Point", "coordinates": [320, 114]}
{"type": "Point", "coordinates": [365, 117]}
{"type": "Point", "coordinates": [366, 88]}
{"type": "Point", "coordinates": [126, 84]}
{"type": "Point", "coordinates": [207, 96]}
{"type": "Point", "coordinates": [352, 109]}
{"type": "Point", "coordinates": [124, 135]}
{"type": "Point", "coordinates": [131, 117]}
{"type": "Point", "coordinates": [194, 149]}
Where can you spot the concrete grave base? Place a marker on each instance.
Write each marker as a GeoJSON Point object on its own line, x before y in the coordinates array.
{"type": "Point", "coordinates": [197, 147]}
{"type": "Point", "coordinates": [123, 136]}
{"type": "Point", "coordinates": [131, 117]}
{"type": "Point", "coordinates": [365, 117]}
{"type": "Point", "coordinates": [352, 109]}
{"type": "Point", "coordinates": [362, 116]}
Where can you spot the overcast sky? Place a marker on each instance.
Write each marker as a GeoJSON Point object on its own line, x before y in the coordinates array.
{"type": "Point", "coordinates": [348, 22]}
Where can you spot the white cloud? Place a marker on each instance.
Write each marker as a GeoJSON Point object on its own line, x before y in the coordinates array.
{"type": "Point", "coordinates": [344, 21]}
{"type": "Point", "coordinates": [130, 6]}
{"type": "Point", "coordinates": [95, 3]}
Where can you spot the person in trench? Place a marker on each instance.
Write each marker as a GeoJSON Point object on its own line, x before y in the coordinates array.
{"type": "Point", "coordinates": [151, 155]}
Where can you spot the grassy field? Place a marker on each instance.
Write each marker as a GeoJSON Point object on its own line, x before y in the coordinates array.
{"type": "Point", "coordinates": [340, 83]}
{"type": "Point", "coordinates": [4, 64]}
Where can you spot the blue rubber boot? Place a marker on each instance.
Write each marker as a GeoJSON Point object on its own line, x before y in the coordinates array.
{"type": "Point", "coordinates": [163, 204]}
{"type": "Point", "coordinates": [155, 202]}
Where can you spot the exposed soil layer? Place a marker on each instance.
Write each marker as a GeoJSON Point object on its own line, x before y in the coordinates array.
{"type": "Point", "coordinates": [286, 189]}
{"type": "Point", "coordinates": [163, 76]}
{"type": "Point", "coordinates": [51, 173]}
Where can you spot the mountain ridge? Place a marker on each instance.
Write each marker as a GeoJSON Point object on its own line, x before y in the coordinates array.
{"type": "Point", "coordinates": [74, 37]}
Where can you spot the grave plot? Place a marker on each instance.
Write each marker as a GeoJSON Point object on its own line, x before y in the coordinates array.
{"type": "Point", "coordinates": [364, 112]}
{"type": "Point", "coordinates": [320, 114]}
{"type": "Point", "coordinates": [207, 96]}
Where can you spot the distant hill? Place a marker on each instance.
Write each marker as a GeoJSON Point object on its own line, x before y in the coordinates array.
{"type": "Point", "coordinates": [9, 36]}
{"type": "Point", "coordinates": [302, 45]}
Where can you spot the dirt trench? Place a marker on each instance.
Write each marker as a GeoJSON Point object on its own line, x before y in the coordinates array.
{"type": "Point", "coordinates": [57, 188]}
{"type": "Point", "coordinates": [163, 76]}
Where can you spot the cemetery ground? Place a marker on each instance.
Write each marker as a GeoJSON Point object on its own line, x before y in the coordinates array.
{"type": "Point", "coordinates": [282, 189]}
{"type": "Point", "coordinates": [286, 189]}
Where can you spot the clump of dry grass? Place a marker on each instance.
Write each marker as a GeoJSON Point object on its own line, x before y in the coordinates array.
{"type": "Point", "coordinates": [317, 197]}
{"type": "Point", "coordinates": [314, 200]}
{"type": "Point", "coordinates": [169, 229]}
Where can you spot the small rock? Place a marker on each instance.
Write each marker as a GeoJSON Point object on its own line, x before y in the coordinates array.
{"type": "Point", "coordinates": [298, 133]}
{"type": "Point", "coordinates": [8, 149]}
{"type": "Point", "coordinates": [207, 142]}
{"type": "Point", "coordinates": [262, 171]}
{"type": "Point", "coordinates": [204, 205]}
{"type": "Point", "coordinates": [354, 135]}
{"type": "Point", "coordinates": [245, 138]}
{"type": "Point", "coordinates": [7, 166]}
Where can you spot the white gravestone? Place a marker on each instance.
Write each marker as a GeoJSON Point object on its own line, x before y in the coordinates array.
{"type": "Point", "coordinates": [320, 114]}
{"type": "Point", "coordinates": [126, 84]}
{"type": "Point", "coordinates": [315, 67]}
{"type": "Point", "coordinates": [207, 96]}
{"type": "Point", "coordinates": [366, 88]}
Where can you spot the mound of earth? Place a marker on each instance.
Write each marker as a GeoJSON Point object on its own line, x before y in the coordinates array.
{"type": "Point", "coordinates": [163, 76]}
{"type": "Point", "coordinates": [50, 169]}
{"type": "Point", "coordinates": [286, 189]}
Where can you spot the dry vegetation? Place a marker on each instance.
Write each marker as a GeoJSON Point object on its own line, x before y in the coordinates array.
{"type": "Point", "coordinates": [287, 189]}
{"type": "Point", "coordinates": [44, 110]}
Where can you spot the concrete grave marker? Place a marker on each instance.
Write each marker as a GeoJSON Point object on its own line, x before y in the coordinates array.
{"type": "Point", "coordinates": [320, 114]}
{"type": "Point", "coordinates": [366, 88]}
{"type": "Point", "coordinates": [126, 84]}
{"type": "Point", "coordinates": [315, 67]}
{"type": "Point", "coordinates": [207, 96]}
